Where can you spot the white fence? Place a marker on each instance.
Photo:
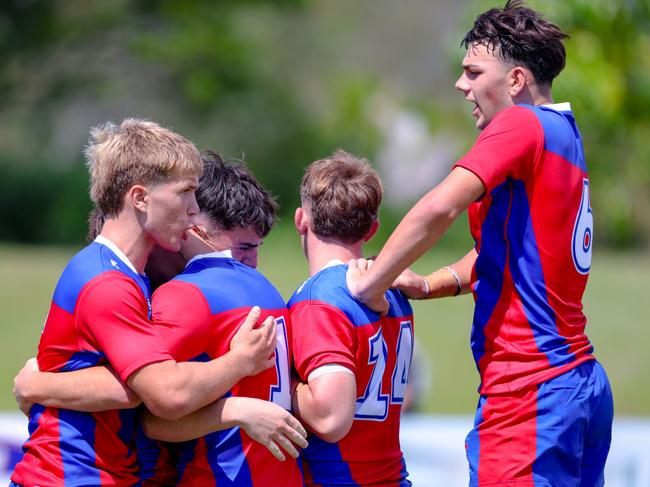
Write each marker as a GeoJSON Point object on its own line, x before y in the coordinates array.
{"type": "Point", "coordinates": [433, 447]}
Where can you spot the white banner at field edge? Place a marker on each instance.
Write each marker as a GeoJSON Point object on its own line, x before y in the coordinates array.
{"type": "Point", "coordinates": [434, 449]}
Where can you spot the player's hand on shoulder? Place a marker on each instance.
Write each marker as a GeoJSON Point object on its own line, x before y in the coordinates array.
{"type": "Point", "coordinates": [357, 268]}
{"type": "Point", "coordinates": [274, 427]}
{"type": "Point", "coordinates": [22, 383]}
{"type": "Point", "coordinates": [411, 284]}
{"type": "Point", "coordinates": [255, 344]}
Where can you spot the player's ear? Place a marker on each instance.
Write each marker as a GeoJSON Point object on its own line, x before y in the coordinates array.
{"type": "Point", "coordinates": [373, 230]}
{"type": "Point", "coordinates": [300, 221]}
{"type": "Point", "coordinates": [518, 79]}
{"type": "Point", "coordinates": [138, 196]}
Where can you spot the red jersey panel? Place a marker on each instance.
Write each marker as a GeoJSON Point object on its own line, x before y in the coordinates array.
{"type": "Point", "coordinates": [99, 314]}
{"type": "Point", "coordinates": [197, 314]}
{"type": "Point", "coordinates": [533, 231]}
{"type": "Point", "coordinates": [330, 327]}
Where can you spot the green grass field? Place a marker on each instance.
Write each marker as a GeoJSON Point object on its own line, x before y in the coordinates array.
{"type": "Point", "coordinates": [616, 304]}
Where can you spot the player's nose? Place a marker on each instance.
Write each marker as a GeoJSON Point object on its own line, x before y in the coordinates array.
{"type": "Point", "coordinates": [462, 84]}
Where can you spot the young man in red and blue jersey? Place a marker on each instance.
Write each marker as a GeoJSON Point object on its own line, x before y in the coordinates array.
{"type": "Point", "coordinates": [201, 310]}
{"type": "Point", "coordinates": [545, 412]}
{"type": "Point", "coordinates": [197, 315]}
{"type": "Point", "coordinates": [142, 178]}
{"type": "Point", "coordinates": [353, 363]}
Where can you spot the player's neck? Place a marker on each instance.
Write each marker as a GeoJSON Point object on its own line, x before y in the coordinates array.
{"type": "Point", "coordinates": [534, 94]}
{"type": "Point", "coordinates": [130, 239]}
{"type": "Point", "coordinates": [322, 252]}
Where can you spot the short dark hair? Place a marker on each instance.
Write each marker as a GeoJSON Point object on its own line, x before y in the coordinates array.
{"type": "Point", "coordinates": [231, 197]}
{"type": "Point", "coordinates": [343, 193]}
{"type": "Point", "coordinates": [521, 36]}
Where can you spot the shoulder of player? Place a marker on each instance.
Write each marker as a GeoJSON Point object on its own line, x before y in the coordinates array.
{"type": "Point", "coordinates": [222, 285]}
{"type": "Point", "coordinates": [221, 269]}
{"type": "Point", "coordinates": [327, 291]}
{"type": "Point", "coordinates": [518, 126]}
{"type": "Point", "coordinates": [326, 286]}
{"type": "Point", "coordinates": [399, 303]}
{"type": "Point", "coordinates": [177, 289]}
{"type": "Point", "coordinates": [112, 283]}
{"type": "Point", "coordinates": [106, 292]}
{"type": "Point", "coordinates": [181, 303]}
{"type": "Point", "coordinates": [517, 118]}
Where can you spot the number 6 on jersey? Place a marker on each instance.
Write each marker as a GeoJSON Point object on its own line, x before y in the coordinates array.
{"type": "Point", "coordinates": [583, 232]}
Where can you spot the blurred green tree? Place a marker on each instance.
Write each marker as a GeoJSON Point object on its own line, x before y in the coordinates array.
{"type": "Point", "coordinates": [230, 74]}
{"type": "Point", "coordinates": [192, 56]}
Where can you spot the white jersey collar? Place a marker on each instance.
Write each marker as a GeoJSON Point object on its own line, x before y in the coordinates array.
{"type": "Point", "coordinates": [225, 254]}
{"type": "Point", "coordinates": [559, 107]}
{"type": "Point", "coordinates": [332, 263]}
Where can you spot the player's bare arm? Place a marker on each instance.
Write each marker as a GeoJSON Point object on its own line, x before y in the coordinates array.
{"type": "Point", "coordinates": [326, 404]}
{"type": "Point", "coordinates": [421, 228]}
{"type": "Point", "coordinates": [99, 388]}
{"type": "Point", "coordinates": [89, 390]}
{"type": "Point", "coordinates": [451, 280]}
{"type": "Point", "coordinates": [172, 390]}
{"type": "Point", "coordinates": [264, 421]}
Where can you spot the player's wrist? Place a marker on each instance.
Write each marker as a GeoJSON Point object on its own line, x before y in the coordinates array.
{"type": "Point", "coordinates": [239, 363]}
{"type": "Point", "coordinates": [231, 410]}
{"type": "Point", "coordinates": [243, 411]}
{"type": "Point", "coordinates": [456, 277]}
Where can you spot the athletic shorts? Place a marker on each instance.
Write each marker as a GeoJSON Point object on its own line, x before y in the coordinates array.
{"type": "Point", "coordinates": [555, 434]}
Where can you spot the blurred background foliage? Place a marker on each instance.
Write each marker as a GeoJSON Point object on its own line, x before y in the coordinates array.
{"type": "Point", "coordinates": [281, 83]}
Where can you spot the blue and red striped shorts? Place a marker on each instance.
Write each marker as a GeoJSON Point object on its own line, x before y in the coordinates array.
{"type": "Point", "coordinates": [554, 434]}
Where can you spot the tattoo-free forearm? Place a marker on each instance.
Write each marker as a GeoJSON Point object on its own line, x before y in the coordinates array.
{"type": "Point", "coordinates": [420, 229]}
{"type": "Point", "coordinates": [443, 282]}
{"type": "Point", "coordinates": [172, 389]}
{"type": "Point", "coordinates": [265, 422]}
{"type": "Point", "coordinates": [90, 390]}
{"type": "Point", "coordinates": [219, 415]}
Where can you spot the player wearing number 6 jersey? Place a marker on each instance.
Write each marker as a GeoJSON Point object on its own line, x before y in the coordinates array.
{"type": "Point", "coordinates": [545, 412]}
{"type": "Point", "coordinates": [353, 362]}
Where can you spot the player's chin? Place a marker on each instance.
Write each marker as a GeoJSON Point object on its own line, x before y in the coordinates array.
{"type": "Point", "coordinates": [172, 244]}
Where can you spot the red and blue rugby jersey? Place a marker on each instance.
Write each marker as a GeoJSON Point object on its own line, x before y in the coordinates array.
{"type": "Point", "coordinates": [533, 232]}
{"type": "Point", "coordinates": [99, 314]}
{"type": "Point", "coordinates": [330, 327]}
{"type": "Point", "coordinates": [198, 313]}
